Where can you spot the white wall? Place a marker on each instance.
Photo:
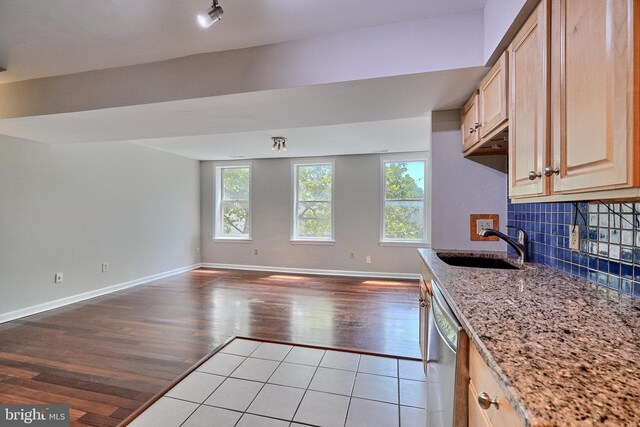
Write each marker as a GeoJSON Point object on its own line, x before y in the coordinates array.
{"type": "Point", "coordinates": [462, 186]}
{"type": "Point", "coordinates": [357, 221]}
{"type": "Point", "coordinates": [68, 208]}
{"type": "Point", "coordinates": [499, 17]}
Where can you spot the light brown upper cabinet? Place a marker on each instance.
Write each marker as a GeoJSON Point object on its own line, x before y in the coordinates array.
{"type": "Point", "coordinates": [470, 119]}
{"type": "Point", "coordinates": [493, 99]}
{"type": "Point", "coordinates": [529, 105]}
{"type": "Point", "coordinates": [592, 76]}
{"type": "Point", "coordinates": [484, 117]}
{"type": "Point", "coordinates": [574, 102]}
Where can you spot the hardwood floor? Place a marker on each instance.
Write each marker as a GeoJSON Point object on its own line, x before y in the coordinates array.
{"type": "Point", "coordinates": [105, 357]}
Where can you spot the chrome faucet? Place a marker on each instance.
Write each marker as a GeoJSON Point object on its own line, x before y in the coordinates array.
{"type": "Point", "coordinates": [521, 246]}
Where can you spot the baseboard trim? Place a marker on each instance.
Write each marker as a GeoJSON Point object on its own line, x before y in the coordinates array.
{"type": "Point", "coordinates": [39, 308]}
{"type": "Point", "coordinates": [347, 273]}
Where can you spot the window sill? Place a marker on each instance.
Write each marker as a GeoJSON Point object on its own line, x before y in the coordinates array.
{"type": "Point", "coordinates": [312, 242]}
{"type": "Point", "coordinates": [405, 244]}
{"type": "Point", "coordinates": [233, 239]}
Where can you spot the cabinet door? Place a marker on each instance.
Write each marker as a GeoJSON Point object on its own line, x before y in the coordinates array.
{"type": "Point", "coordinates": [493, 98]}
{"type": "Point", "coordinates": [470, 123]}
{"type": "Point", "coordinates": [592, 115]}
{"type": "Point", "coordinates": [528, 105]}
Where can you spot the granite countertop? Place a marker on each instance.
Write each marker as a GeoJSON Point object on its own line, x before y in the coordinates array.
{"type": "Point", "coordinates": [566, 350]}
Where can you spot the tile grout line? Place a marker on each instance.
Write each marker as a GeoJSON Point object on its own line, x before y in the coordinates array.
{"type": "Point", "coordinates": [226, 378]}
{"type": "Point", "coordinates": [399, 409]}
{"type": "Point", "coordinates": [265, 383]}
{"type": "Point", "coordinates": [200, 404]}
{"type": "Point", "coordinates": [355, 378]}
{"type": "Point", "coordinates": [308, 385]}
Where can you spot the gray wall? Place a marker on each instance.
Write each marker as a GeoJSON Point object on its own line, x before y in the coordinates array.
{"type": "Point", "coordinates": [68, 208]}
{"type": "Point", "coordinates": [462, 186]}
{"type": "Point", "coordinates": [357, 221]}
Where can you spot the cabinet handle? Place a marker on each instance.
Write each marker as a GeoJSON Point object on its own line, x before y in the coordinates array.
{"type": "Point", "coordinates": [471, 130]}
{"type": "Point", "coordinates": [533, 175]}
{"type": "Point", "coordinates": [548, 171]}
{"type": "Point", "coordinates": [421, 300]}
{"type": "Point", "coordinates": [477, 125]}
{"type": "Point", "coordinates": [485, 401]}
{"type": "Point", "coordinates": [423, 304]}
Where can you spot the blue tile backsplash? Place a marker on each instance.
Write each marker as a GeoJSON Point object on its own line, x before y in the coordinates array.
{"type": "Point", "coordinates": [609, 240]}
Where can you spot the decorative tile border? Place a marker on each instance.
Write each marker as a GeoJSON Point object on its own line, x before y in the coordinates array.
{"type": "Point", "coordinates": [609, 240]}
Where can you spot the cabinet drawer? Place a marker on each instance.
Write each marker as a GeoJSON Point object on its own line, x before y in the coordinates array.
{"type": "Point", "coordinates": [477, 416]}
{"type": "Point", "coordinates": [481, 377]}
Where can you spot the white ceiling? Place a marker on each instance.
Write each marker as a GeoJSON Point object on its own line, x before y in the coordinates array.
{"type": "Point", "coordinates": [392, 136]}
{"type": "Point", "coordinates": [222, 127]}
{"type": "Point", "coordinates": [354, 117]}
{"type": "Point", "coordinates": [45, 38]}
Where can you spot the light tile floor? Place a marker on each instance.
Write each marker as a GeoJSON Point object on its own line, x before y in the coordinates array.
{"type": "Point", "coordinates": [250, 383]}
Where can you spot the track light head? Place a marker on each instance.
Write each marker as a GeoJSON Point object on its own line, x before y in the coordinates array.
{"type": "Point", "coordinates": [212, 16]}
{"type": "Point", "coordinates": [279, 143]}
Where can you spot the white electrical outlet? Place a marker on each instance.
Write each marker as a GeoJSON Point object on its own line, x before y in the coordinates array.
{"type": "Point", "coordinates": [105, 267]}
{"type": "Point", "coordinates": [483, 224]}
{"type": "Point", "coordinates": [58, 278]}
{"type": "Point", "coordinates": [368, 260]}
{"type": "Point", "coordinates": [574, 238]}
{"type": "Point", "coordinates": [197, 251]}
{"type": "Point", "coordinates": [352, 254]}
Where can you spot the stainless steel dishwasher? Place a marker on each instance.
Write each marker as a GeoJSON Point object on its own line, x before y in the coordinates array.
{"type": "Point", "coordinates": [447, 365]}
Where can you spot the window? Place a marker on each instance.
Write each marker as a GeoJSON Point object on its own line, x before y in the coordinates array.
{"type": "Point", "coordinates": [233, 202]}
{"type": "Point", "coordinates": [313, 199]}
{"type": "Point", "coordinates": [404, 201]}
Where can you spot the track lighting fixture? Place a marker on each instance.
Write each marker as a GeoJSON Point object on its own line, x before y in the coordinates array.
{"type": "Point", "coordinates": [279, 143]}
{"type": "Point", "coordinates": [212, 16]}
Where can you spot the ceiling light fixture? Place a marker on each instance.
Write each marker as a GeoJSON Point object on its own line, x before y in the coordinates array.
{"type": "Point", "coordinates": [279, 143]}
{"type": "Point", "coordinates": [212, 16]}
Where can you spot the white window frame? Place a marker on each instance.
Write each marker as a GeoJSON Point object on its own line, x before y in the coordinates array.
{"type": "Point", "coordinates": [294, 217]}
{"type": "Point", "coordinates": [218, 225]}
{"type": "Point", "coordinates": [406, 157]}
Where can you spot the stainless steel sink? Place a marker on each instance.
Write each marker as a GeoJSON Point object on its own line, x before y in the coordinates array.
{"type": "Point", "coordinates": [461, 260]}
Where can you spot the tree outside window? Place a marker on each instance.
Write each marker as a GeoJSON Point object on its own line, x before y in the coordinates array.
{"type": "Point", "coordinates": [313, 202]}
{"type": "Point", "coordinates": [233, 210]}
{"type": "Point", "coordinates": [404, 201]}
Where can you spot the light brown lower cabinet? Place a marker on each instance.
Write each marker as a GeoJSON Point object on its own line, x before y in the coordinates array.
{"type": "Point", "coordinates": [483, 388]}
{"type": "Point", "coordinates": [478, 417]}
